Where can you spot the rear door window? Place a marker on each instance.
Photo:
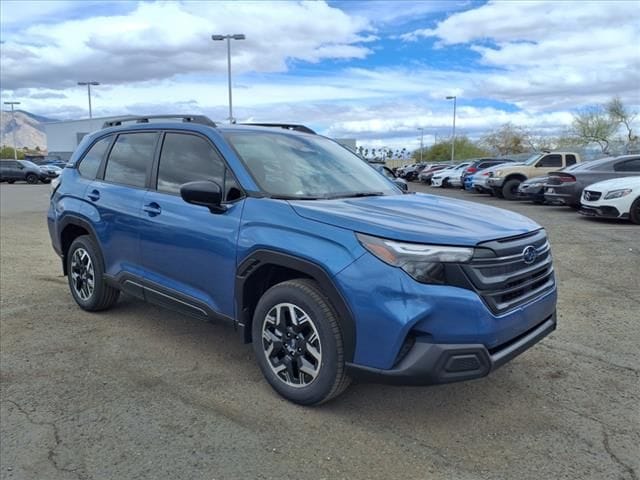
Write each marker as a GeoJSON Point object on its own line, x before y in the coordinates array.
{"type": "Point", "coordinates": [131, 158]}
{"type": "Point", "coordinates": [550, 161]}
{"type": "Point", "coordinates": [571, 159]}
{"type": "Point", "coordinates": [90, 163]}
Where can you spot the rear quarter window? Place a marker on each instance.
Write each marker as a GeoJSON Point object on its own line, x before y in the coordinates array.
{"type": "Point", "coordinates": [91, 161]}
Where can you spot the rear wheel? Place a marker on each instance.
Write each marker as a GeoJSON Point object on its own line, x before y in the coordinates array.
{"type": "Point", "coordinates": [298, 343]}
{"type": "Point", "coordinates": [634, 212]}
{"type": "Point", "coordinates": [86, 276]}
{"type": "Point", "coordinates": [31, 178]}
{"type": "Point", "coordinates": [510, 189]}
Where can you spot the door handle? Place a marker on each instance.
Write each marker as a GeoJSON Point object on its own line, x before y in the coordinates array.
{"type": "Point", "coordinates": [152, 209]}
{"type": "Point", "coordinates": [94, 195]}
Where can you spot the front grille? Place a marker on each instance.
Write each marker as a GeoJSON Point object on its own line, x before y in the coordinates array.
{"type": "Point", "coordinates": [591, 196]}
{"type": "Point", "coordinates": [503, 279]}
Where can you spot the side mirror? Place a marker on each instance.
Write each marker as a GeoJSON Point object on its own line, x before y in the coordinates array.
{"type": "Point", "coordinates": [205, 193]}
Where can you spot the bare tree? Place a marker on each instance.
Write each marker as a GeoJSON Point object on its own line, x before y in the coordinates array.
{"type": "Point", "coordinates": [594, 125]}
{"type": "Point", "coordinates": [507, 139]}
{"type": "Point", "coordinates": [619, 113]}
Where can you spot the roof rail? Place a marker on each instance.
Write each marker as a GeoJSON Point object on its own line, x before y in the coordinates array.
{"type": "Point", "coordinates": [286, 126]}
{"type": "Point", "coordinates": [201, 119]}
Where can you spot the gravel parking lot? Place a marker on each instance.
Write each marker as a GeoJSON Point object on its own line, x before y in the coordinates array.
{"type": "Point", "coordinates": [142, 393]}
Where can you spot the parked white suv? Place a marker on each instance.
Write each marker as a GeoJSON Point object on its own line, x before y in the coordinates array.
{"type": "Point", "coordinates": [615, 198]}
{"type": "Point", "coordinates": [449, 177]}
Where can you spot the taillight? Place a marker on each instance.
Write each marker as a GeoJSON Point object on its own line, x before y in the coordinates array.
{"type": "Point", "coordinates": [472, 169]}
{"type": "Point", "coordinates": [566, 178]}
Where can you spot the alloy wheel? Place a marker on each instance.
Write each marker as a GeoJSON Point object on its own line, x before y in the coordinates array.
{"type": "Point", "coordinates": [82, 274]}
{"type": "Point", "coordinates": [291, 344]}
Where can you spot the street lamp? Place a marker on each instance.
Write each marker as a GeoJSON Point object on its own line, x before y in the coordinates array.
{"type": "Point", "coordinates": [453, 141]}
{"type": "Point", "coordinates": [228, 38]}
{"type": "Point", "coordinates": [421, 141]}
{"type": "Point", "coordinates": [88, 84]}
{"type": "Point", "coordinates": [13, 133]}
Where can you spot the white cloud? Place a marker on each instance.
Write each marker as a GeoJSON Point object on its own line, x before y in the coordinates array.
{"type": "Point", "coordinates": [550, 54]}
{"type": "Point", "coordinates": [547, 59]}
{"type": "Point", "coordinates": [162, 40]}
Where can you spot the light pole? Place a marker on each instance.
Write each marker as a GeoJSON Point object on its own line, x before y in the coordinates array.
{"type": "Point", "coordinates": [88, 84]}
{"type": "Point", "coordinates": [237, 36]}
{"type": "Point", "coordinates": [13, 133]}
{"type": "Point", "coordinates": [453, 140]}
{"type": "Point", "coordinates": [421, 141]}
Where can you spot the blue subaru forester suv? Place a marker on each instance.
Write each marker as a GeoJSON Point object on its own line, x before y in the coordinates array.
{"type": "Point", "coordinates": [312, 255]}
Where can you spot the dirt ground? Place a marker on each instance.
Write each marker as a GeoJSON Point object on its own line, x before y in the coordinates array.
{"type": "Point", "coordinates": [142, 393]}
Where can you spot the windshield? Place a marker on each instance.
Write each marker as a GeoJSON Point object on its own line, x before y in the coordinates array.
{"type": "Point", "coordinates": [532, 159]}
{"type": "Point", "coordinates": [306, 166]}
{"type": "Point", "coordinates": [28, 163]}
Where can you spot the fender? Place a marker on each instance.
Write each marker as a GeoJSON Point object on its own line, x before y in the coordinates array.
{"type": "Point", "coordinates": [260, 258]}
{"type": "Point", "coordinates": [71, 219]}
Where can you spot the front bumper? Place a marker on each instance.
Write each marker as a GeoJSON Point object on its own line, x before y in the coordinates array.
{"type": "Point", "coordinates": [600, 211]}
{"type": "Point", "coordinates": [433, 363]}
{"type": "Point", "coordinates": [389, 308]}
{"type": "Point", "coordinates": [495, 182]}
{"type": "Point", "coordinates": [533, 193]}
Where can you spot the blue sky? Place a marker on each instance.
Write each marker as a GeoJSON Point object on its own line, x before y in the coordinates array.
{"type": "Point", "coordinates": [375, 71]}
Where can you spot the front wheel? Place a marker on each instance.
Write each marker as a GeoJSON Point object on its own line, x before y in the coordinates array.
{"type": "Point", "coordinates": [85, 272]}
{"type": "Point", "coordinates": [510, 189]}
{"type": "Point", "coordinates": [298, 343]}
{"type": "Point", "coordinates": [634, 212]}
{"type": "Point", "coordinates": [445, 183]}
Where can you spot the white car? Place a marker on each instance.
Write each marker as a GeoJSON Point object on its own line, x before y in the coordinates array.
{"type": "Point", "coordinates": [615, 198]}
{"type": "Point", "coordinates": [449, 177]}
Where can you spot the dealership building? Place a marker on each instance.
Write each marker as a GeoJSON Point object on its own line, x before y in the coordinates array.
{"type": "Point", "coordinates": [64, 137]}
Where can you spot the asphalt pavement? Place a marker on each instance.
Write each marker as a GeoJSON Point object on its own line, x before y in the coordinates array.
{"type": "Point", "coordinates": [143, 393]}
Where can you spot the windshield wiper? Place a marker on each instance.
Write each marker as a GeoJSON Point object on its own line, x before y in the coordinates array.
{"type": "Point", "coordinates": [294, 197]}
{"type": "Point", "coordinates": [355, 194]}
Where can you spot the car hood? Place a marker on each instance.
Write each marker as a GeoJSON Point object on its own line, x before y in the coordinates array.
{"type": "Point", "coordinates": [616, 183]}
{"type": "Point", "coordinates": [418, 218]}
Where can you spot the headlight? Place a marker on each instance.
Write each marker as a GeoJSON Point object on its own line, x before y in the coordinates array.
{"type": "Point", "coordinates": [617, 193]}
{"type": "Point", "coordinates": [425, 263]}
{"type": "Point", "coordinates": [497, 173]}
{"type": "Point", "coordinates": [55, 183]}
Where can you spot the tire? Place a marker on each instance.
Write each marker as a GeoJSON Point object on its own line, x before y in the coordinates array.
{"type": "Point", "coordinates": [510, 189]}
{"type": "Point", "coordinates": [80, 271]}
{"type": "Point", "coordinates": [31, 178]}
{"type": "Point", "coordinates": [11, 182]}
{"type": "Point", "coordinates": [634, 211]}
{"type": "Point", "coordinates": [323, 355]}
{"type": "Point", "coordinates": [445, 183]}
{"type": "Point", "coordinates": [497, 192]}
{"type": "Point", "coordinates": [538, 201]}
{"type": "Point", "coordinates": [46, 180]}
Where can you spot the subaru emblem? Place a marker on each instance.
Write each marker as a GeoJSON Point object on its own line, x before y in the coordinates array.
{"type": "Point", "coordinates": [529, 255]}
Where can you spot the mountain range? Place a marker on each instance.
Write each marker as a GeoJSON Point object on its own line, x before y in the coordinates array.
{"type": "Point", "coordinates": [28, 128]}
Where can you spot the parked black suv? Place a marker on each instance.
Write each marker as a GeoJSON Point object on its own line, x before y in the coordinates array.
{"type": "Point", "coordinates": [23, 170]}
